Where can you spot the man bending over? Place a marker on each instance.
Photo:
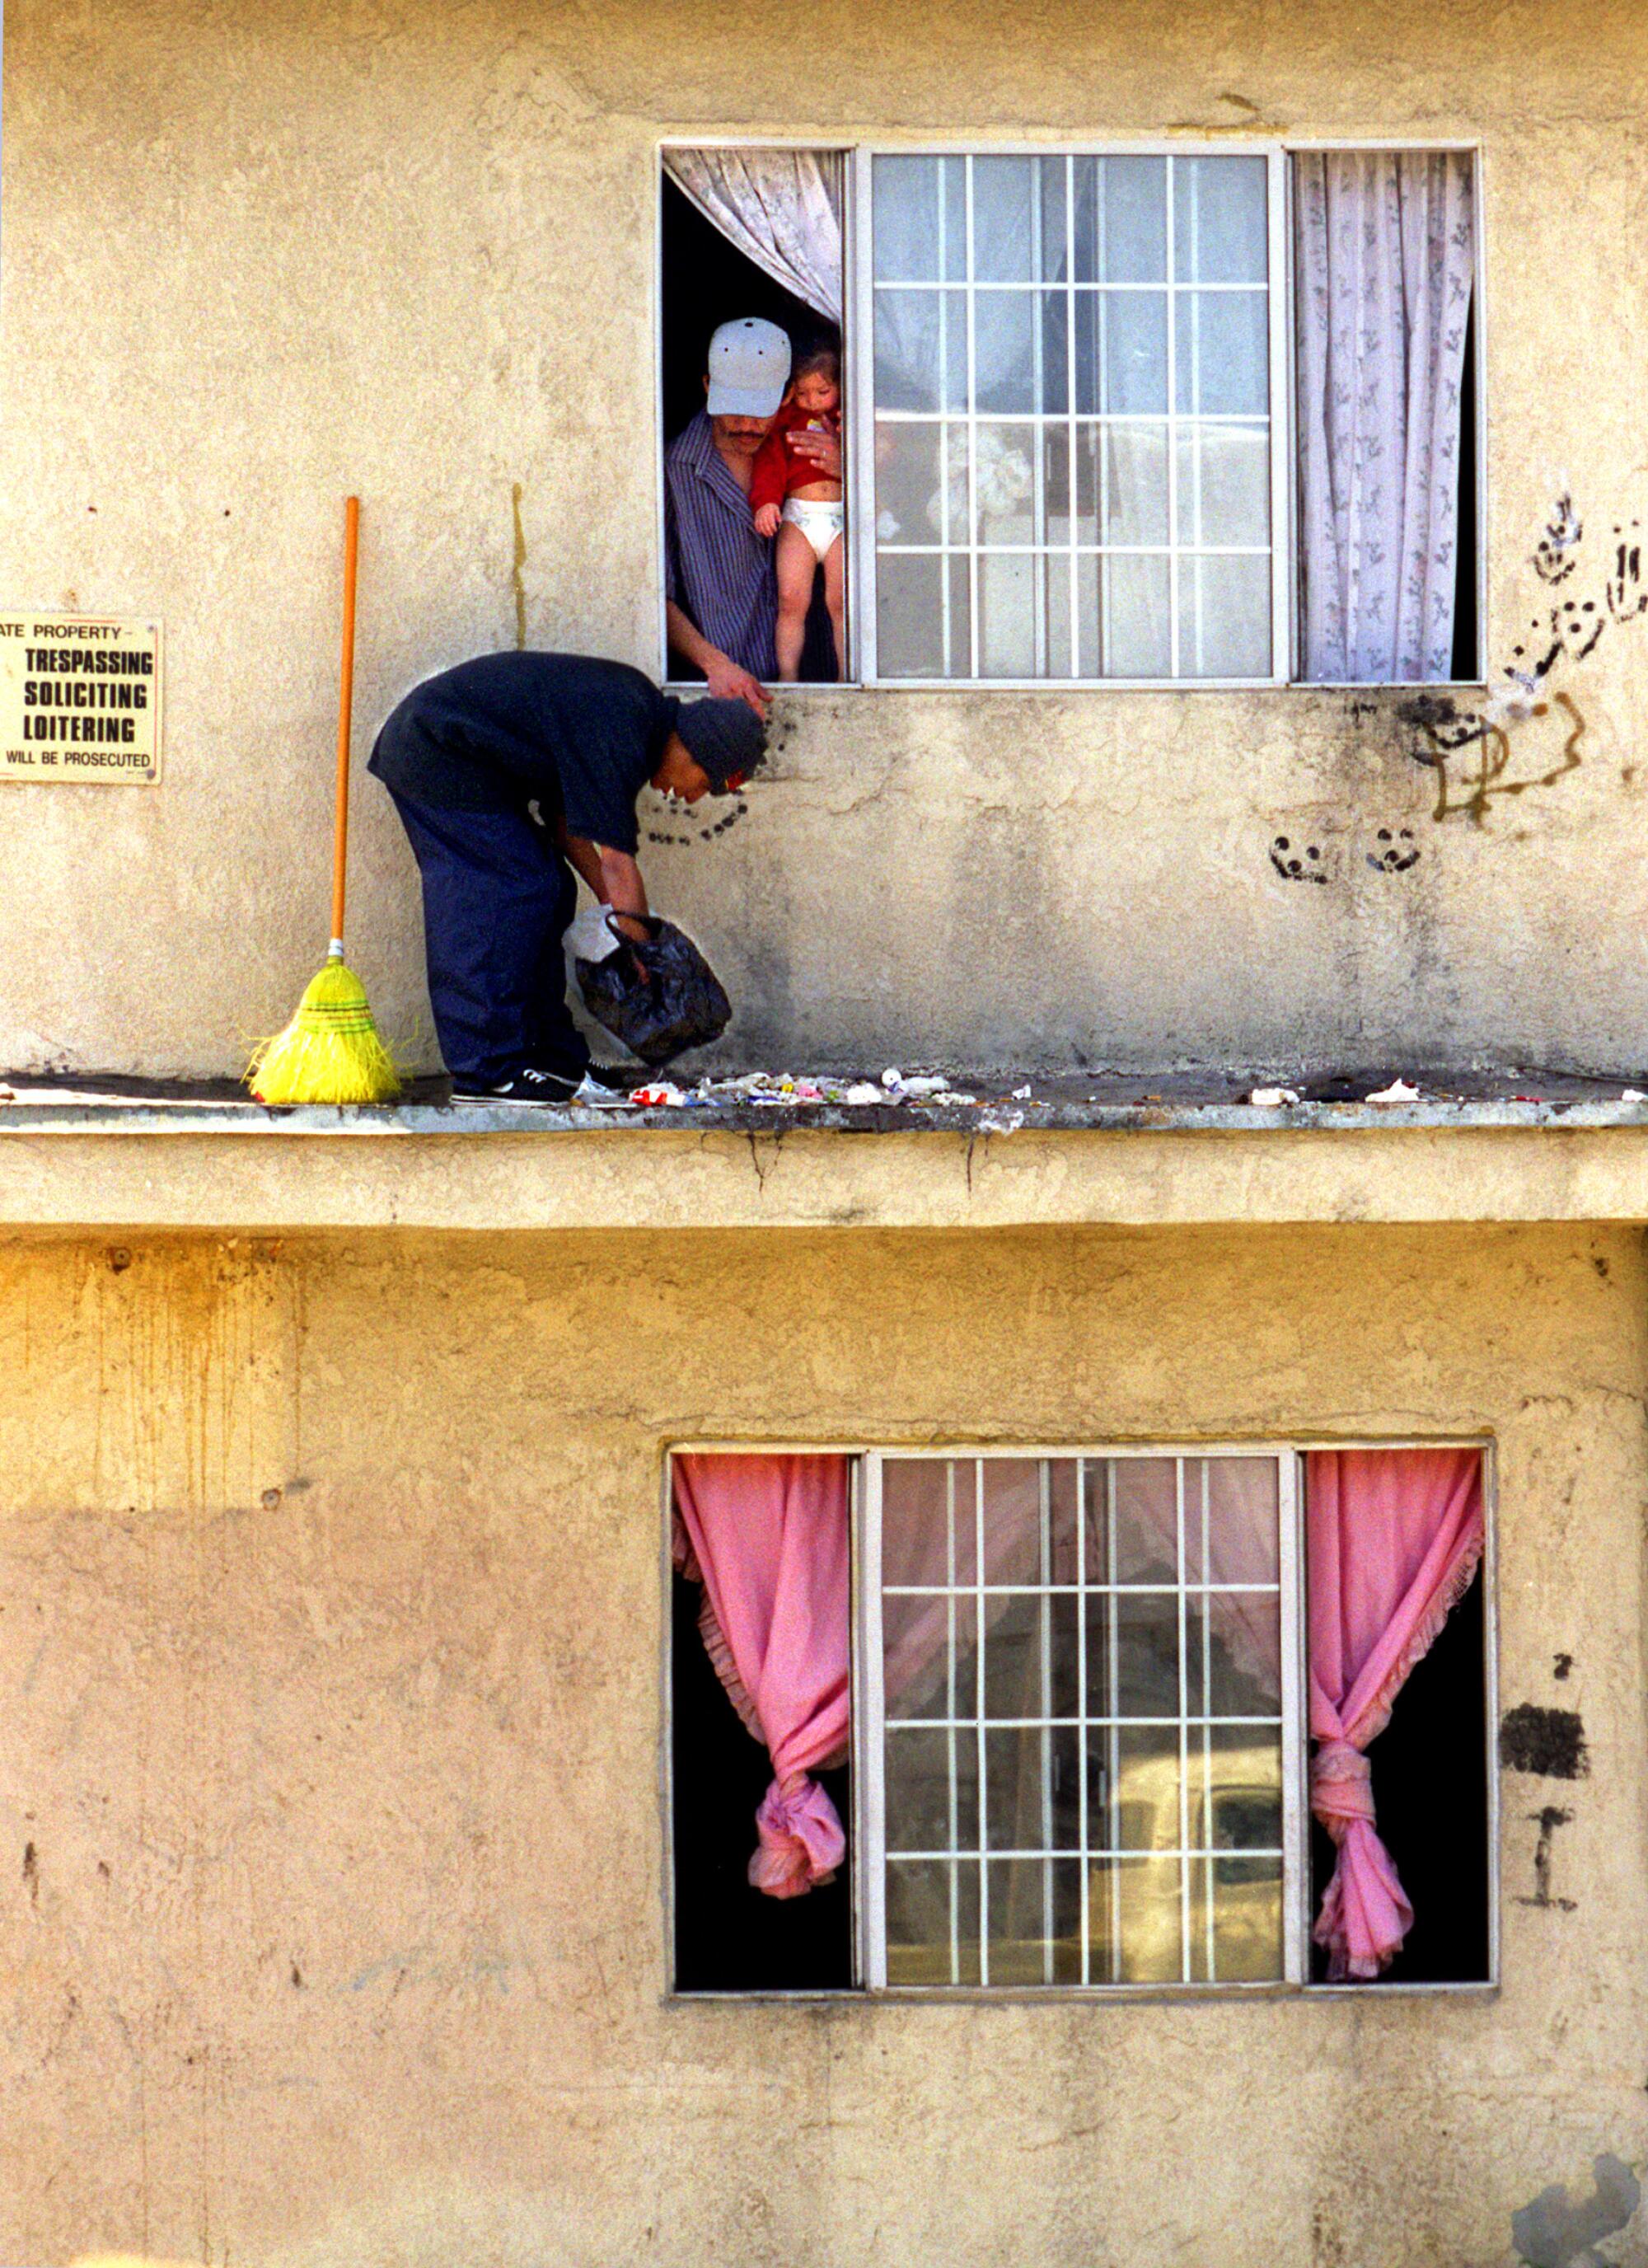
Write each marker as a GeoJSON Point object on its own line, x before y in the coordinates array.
{"type": "Point", "coordinates": [466, 756]}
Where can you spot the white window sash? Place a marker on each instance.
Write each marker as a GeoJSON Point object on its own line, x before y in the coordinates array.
{"type": "Point", "coordinates": [861, 396]}
{"type": "Point", "coordinates": [868, 1738]}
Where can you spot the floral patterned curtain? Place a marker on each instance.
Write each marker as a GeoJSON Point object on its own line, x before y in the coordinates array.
{"type": "Point", "coordinates": [781, 207]}
{"type": "Point", "coordinates": [1385, 252]}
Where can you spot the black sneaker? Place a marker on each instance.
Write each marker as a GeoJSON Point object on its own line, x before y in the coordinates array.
{"type": "Point", "coordinates": [549, 1088]}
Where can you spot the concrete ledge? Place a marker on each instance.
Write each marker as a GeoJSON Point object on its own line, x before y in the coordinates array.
{"type": "Point", "coordinates": [179, 1166]}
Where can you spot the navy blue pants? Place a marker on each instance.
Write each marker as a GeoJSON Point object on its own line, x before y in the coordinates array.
{"type": "Point", "coordinates": [497, 899]}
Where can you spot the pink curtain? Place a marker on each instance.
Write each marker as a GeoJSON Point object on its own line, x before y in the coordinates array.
{"type": "Point", "coordinates": [1393, 1539]}
{"type": "Point", "coordinates": [766, 1537]}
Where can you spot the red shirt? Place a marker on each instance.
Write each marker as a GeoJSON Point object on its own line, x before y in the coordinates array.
{"type": "Point", "coordinates": [778, 470]}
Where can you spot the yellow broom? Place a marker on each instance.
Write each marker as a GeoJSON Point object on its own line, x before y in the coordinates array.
{"type": "Point", "coordinates": [330, 1051]}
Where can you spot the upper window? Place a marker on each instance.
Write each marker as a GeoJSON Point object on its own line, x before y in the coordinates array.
{"type": "Point", "coordinates": [1072, 386]}
{"type": "Point", "coordinates": [1071, 416]}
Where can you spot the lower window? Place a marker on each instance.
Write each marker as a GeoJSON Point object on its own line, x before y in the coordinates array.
{"type": "Point", "coordinates": [1083, 1720]}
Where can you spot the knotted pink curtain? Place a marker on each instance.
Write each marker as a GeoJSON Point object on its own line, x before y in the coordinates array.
{"type": "Point", "coordinates": [766, 1537]}
{"type": "Point", "coordinates": [1393, 1537]}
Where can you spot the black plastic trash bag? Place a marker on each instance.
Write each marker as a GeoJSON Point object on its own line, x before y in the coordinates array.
{"type": "Point", "coordinates": [676, 1004]}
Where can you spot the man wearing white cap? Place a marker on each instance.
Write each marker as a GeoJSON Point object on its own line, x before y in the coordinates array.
{"type": "Point", "coordinates": [721, 594]}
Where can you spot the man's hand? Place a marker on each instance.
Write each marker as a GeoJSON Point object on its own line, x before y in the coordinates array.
{"type": "Point", "coordinates": [823, 449]}
{"type": "Point", "coordinates": [727, 682]}
{"type": "Point", "coordinates": [767, 520]}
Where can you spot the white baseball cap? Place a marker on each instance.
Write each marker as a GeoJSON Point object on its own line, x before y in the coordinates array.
{"type": "Point", "coordinates": [749, 369]}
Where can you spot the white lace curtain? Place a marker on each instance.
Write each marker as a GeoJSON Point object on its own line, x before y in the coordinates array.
{"type": "Point", "coordinates": [1385, 248]}
{"type": "Point", "coordinates": [781, 208]}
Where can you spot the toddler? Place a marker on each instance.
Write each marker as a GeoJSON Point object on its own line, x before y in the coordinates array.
{"type": "Point", "coordinates": [791, 500]}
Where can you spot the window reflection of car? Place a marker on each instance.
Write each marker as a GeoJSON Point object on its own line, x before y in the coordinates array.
{"type": "Point", "coordinates": [1135, 1899]}
{"type": "Point", "coordinates": [1135, 1907]}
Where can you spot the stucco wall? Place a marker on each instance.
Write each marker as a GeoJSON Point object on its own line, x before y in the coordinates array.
{"type": "Point", "coordinates": [329, 1825]}
{"type": "Point", "coordinates": [256, 255]}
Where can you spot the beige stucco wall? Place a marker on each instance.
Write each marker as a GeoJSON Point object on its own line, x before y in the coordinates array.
{"type": "Point", "coordinates": [256, 255]}
{"type": "Point", "coordinates": [329, 1820]}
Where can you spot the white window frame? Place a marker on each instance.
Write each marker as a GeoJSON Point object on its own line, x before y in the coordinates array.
{"type": "Point", "coordinates": [867, 1826]}
{"type": "Point", "coordinates": [858, 371]}
{"type": "Point", "coordinates": [861, 403]}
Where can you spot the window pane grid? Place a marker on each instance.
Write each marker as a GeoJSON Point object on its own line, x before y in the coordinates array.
{"type": "Point", "coordinates": [987, 566]}
{"type": "Point", "coordinates": [1070, 1850]}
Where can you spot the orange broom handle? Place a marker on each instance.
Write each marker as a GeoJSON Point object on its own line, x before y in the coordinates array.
{"type": "Point", "coordinates": [346, 706]}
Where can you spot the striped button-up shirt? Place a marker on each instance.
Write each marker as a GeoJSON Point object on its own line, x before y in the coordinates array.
{"type": "Point", "coordinates": [718, 571]}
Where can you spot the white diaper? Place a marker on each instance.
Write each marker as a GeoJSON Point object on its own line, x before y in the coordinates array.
{"type": "Point", "coordinates": [820, 523]}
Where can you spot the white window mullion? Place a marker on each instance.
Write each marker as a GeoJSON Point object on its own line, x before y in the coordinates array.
{"type": "Point", "coordinates": [1083, 1837]}
{"type": "Point", "coordinates": [869, 1739]}
{"type": "Point", "coordinates": [978, 1578]}
{"type": "Point", "coordinates": [1173, 663]}
{"type": "Point", "coordinates": [1102, 407]}
{"type": "Point", "coordinates": [1038, 386]}
{"type": "Point", "coordinates": [859, 356]}
{"type": "Point", "coordinates": [1113, 1711]}
{"type": "Point", "coordinates": [1070, 569]}
{"type": "Point", "coordinates": [1045, 1488]}
{"type": "Point", "coordinates": [1283, 524]}
{"type": "Point", "coordinates": [974, 563]}
{"type": "Point", "coordinates": [1295, 1916]}
{"type": "Point", "coordinates": [1184, 1737]}
{"type": "Point", "coordinates": [951, 1746]}
{"type": "Point", "coordinates": [1205, 1603]}
{"type": "Point", "coordinates": [943, 265]}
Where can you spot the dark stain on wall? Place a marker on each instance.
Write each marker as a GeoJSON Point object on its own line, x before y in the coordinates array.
{"type": "Point", "coordinates": [1555, 2231]}
{"type": "Point", "coordinates": [1550, 1743]}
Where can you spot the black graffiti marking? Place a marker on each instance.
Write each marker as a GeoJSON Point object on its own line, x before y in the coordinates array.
{"type": "Point", "coordinates": [1292, 867]}
{"type": "Point", "coordinates": [1578, 626]}
{"type": "Point", "coordinates": [1547, 1821]}
{"type": "Point", "coordinates": [1400, 855]}
{"type": "Point", "coordinates": [1562, 532]}
{"type": "Point", "coordinates": [741, 810]}
{"type": "Point", "coordinates": [1624, 593]}
{"type": "Point", "coordinates": [1569, 632]}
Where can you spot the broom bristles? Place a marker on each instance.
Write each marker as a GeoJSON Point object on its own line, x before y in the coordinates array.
{"type": "Point", "coordinates": [330, 1051]}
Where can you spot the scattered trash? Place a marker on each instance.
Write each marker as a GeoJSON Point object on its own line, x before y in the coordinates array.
{"type": "Point", "coordinates": [1633, 1094]}
{"type": "Point", "coordinates": [7, 1094]}
{"type": "Point", "coordinates": [863, 1093]}
{"type": "Point", "coordinates": [1272, 1098]}
{"type": "Point", "coordinates": [1021, 1094]}
{"type": "Point", "coordinates": [1398, 1091]}
{"type": "Point", "coordinates": [892, 1080]}
{"type": "Point", "coordinates": [660, 1096]}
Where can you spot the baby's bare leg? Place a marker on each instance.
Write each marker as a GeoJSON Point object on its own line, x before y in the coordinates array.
{"type": "Point", "coordinates": [835, 599]}
{"type": "Point", "coordinates": [796, 567]}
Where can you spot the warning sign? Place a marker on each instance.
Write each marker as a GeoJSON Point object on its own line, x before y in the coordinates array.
{"type": "Point", "coordinates": [79, 700]}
